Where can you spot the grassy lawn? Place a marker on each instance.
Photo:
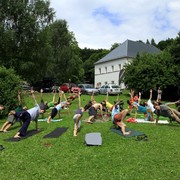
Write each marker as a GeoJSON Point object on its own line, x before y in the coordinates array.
{"type": "Point", "coordinates": [67, 157]}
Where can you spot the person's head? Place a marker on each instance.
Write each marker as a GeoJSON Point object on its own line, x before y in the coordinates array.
{"type": "Point", "coordinates": [145, 103]}
{"type": "Point", "coordinates": [103, 103]}
{"type": "Point", "coordinates": [82, 109]}
{"type": "Point", "coordinates": [25, 108]}
{"type": "Point", "coordinates": [42, 111]}
{"type": "Point", "coordinates": [12, 112]}
{"type": "Point", "coordinates": [135, 98]}
{"type": "Point", "coordinates": [2, 107]}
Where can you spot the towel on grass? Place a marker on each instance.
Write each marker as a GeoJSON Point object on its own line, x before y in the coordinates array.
{"type": "Point", "coordinates": [53, 120]}
{"type": "Point", "coordinates": [56, 132]}
{"type": "Point", "coordinates": [93, 139]}
{"type": "Point", "coordinates": [133, 132]}
{"type": "Point", "coordinates": [152, 122]}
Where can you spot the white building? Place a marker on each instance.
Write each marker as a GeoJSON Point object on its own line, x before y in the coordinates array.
{"type": "Point", "coordinates": [109, 69]}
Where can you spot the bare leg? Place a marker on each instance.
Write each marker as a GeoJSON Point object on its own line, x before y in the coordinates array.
{"type": "Point", "coordinates": [4, 125]}
{"type": "Point", "coordinates": [49, 119]}
{"type": "Point", "coordinates": [17, 135]}
{"type": "Point", "coordinates": [76, 125]}
{"type": "Point", "coordinates": [89, 119]}
{"type": "Point", "coordinates": [121, 124]}
{"type": "Point", "coordinates": [7, 127]}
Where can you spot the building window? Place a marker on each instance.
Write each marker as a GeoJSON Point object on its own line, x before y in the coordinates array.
{"type": "Point", "coordinates": [106, 69]}
{"type": "Point", "coordinates": [112, 68]}
{"type": "Point", "coordinates": [99, 70]}
{"type": "Point", "coordinates": [112, 82]}
{"type": "Point", "coordinates": [120, 67]}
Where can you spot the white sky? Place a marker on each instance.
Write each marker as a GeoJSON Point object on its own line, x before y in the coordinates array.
{"type": "Point", "coordinates": [100, 23]}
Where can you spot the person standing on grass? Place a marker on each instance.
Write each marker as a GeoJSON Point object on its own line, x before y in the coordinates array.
{"type": "Point", "coordinates": [11, 119]}
{"type": "Point", "coordinates": [77, 116]}
{"type": "Point", "coordinates": [159, 94]}
{"type": "Point", "coordinates": [27, 117]}
{"type": "Point", "coordinates": [58, 107]}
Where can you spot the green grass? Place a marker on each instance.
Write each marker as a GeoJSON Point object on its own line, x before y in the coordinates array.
{"type": "Point", "coordinates": [67, 157]}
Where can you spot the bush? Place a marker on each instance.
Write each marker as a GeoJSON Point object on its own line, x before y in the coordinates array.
{"type": "Point", "coordinates": [10, 83]}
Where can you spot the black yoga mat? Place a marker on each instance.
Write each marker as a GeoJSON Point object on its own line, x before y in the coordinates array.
{"type": "Point", "coordinates": [28, 134]}
{"type": "Point", "coordinates": [56, 132]}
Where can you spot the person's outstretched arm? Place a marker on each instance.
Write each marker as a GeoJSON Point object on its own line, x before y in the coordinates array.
{"type": "Point", "coordinates": [41, 91]}
{"type": "Point", "coordinates": [107, 97]}
{"type": "Point", "coordinates": [33, 96]}
{"type": "Point", "coordinates": [19, 97]}
{"type": "Point", "coordinates": [79, 100]}
{"type": "Point", "coordinates": [64, 96]}
{"type": "Point", "coordinates": [92, 96]}
{"type": "Point", "coordinates": [139, 99]}
{"type": "Point", "coordinates": [150, 96]}
{"type": "Point", "coordinates": [54, 95]}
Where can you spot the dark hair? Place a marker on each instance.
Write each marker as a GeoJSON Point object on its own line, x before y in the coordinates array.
{"type": "Point", "coordinates": [103, 103]}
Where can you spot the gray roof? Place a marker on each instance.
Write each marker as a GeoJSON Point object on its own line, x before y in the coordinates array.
{"type": "Point", "coordinates": [128, 49]}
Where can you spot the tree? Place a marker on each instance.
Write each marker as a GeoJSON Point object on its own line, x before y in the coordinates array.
{"type": "Point", "coordinates": [23, 42]}
{"type": "Point", "coordinates": [114, 46]}
{"type": "Point", "coordinates": [150, 71]}
{"type": "Point", "coordinates": [10, 84]}
{"type": "Point", "coordinates": [66, 62]}
{"type": "Point", "coordinates": [162, 45]}
{"type": "Point", "coordinates": [153, 42]}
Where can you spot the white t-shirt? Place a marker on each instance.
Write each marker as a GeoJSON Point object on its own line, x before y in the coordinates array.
{"type": "Point", "coordinates": [150, 105]}
{"type": "Point", "coordinates": [34, 112]}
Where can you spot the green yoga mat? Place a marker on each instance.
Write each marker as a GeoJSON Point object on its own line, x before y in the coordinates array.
{"type": "Point", "coordinates": [133, 132]}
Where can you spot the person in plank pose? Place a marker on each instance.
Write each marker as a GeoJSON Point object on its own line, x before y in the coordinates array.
{"type": "Point", "coordinates": [118, 118]}
{"type": "Point", "coordinates": [11, 120]}
{"type": "Point", "coordinates": [59, 106]}
{"type": "Point", "coordinates": [27, 117]}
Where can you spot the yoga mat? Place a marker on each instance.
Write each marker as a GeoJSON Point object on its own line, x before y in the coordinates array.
{"type": "Point", "coordinates": [56, 132]}
{"type": "Point", "coordinates": [53, 120]}
{"type": "Point", "coordinates": [133, 132]}
{"type": "Point", "coordinates": [28, 134]}
{"type": "Point", "coordinates": [152, 122]}
{"type": "Point", "coordinates": [93, 139]}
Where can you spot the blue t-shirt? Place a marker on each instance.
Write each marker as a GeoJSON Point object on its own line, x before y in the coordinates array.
{"type": "Point", "coordinates": [115, 111]}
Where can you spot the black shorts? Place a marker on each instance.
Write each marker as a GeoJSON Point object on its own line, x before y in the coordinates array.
{"type": "Point", "coordinates": [92, 112]}
{"type": "Point", "coordinates": [54, 112]}
{"type": "Point", "coordinates": [11, 119]}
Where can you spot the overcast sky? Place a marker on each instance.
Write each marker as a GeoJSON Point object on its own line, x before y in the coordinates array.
{"type": "Point", "coordinates": [101, 23]}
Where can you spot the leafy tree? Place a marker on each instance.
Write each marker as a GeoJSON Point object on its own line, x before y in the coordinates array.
{"type": "Point", "coordinates": [147, 41]}
{"type": "Point", "coordinates": [23, 42]}
{"type": "Point", "coordinates": [164, 44]}
{"type": "Point", "coordinates": [153, 42]}
{"type": "Point", "coordinates": [66, 62]}
{"type": "Point", "coordinates": [10, 84]}
{"type": "Point", "coordinates": [114, 46]}
{"type": "Point", "coordinates": [150, 71]}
